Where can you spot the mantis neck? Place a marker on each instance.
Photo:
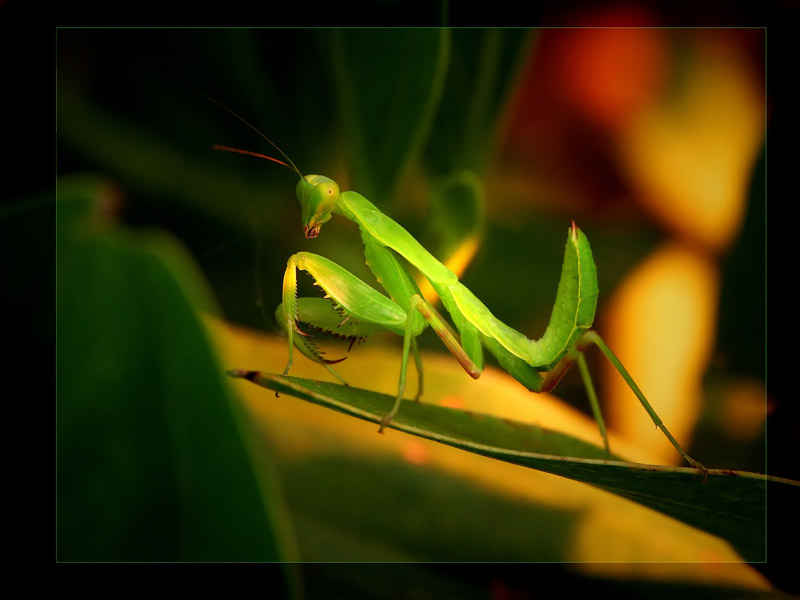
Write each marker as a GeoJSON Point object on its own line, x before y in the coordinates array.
{"type": "Point", "coordinates": [387, 232]}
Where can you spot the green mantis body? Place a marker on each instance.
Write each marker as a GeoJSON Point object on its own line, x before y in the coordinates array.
{"type": "Point", "coordinates": [353, 309]}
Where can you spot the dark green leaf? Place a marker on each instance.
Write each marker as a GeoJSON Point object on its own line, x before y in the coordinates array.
{"type": "Point", "coordinates": [481, 73]}
{"type": "Point", "coordinates": [730, 504]}
{"type": "Point", "coordinates": [389, 82]}
{"type": "Point", "coordinates": [459, 216]}
{"type": "Point", "coordinates": [152, 450]}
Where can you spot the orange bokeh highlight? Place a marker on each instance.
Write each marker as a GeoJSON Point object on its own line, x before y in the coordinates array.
{"type": "Point", "coordinates": [607, 75]}
{"type": "Point", "coordinates": [416, 452]}
{"type": "Point", "coordinates": [453, 402]}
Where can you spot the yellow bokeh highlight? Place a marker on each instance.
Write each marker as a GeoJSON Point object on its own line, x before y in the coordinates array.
{"type": "Point", "coordinates": [661, 324]}
{"type": "Point", "coordinates": [457, 262]}
{"type": "Point", "coordinates": [689, 158]}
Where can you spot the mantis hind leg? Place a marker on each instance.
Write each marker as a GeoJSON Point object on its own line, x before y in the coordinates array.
{"type": "Point", "coordinates": [590, 391]}
{"type": "Point", "coordinates": [592, 338]}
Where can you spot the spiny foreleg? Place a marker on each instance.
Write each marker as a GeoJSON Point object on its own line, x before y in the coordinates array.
{"type": "Point", "coordinates": [351, 308]}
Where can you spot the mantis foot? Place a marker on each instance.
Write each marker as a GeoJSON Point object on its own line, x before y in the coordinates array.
{"type": "Point", "coordinates": [386, 420]}
{"type": "Point", "coordinates": [700, 467]}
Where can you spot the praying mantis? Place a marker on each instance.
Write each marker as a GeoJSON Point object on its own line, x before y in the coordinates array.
{"type": "Point", "coordinates": [353, 309]}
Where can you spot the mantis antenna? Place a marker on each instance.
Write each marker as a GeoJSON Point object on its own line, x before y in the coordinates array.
{"type": "Point", "coordinates": [293, 167]}
{"type": "Point", "coordinates": [249, 153]}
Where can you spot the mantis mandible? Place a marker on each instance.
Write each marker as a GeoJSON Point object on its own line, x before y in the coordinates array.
{"type": "Point", "coordinates": [353, 309]}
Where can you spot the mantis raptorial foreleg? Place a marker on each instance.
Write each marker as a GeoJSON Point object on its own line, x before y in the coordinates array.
{"type": "Point", "coordinates": [355, 310]}
{"type": "Point", "coordinates": [358, 310]}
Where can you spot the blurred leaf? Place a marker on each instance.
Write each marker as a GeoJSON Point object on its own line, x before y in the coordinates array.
{"type": "Point", "coordinates": [730, 504]}
{"type": "Point", "coordinates": [481, 73]}
{"type": "Point", "coordinates": [152, 449]}
{"type": "Point", "coordinates": [143, 159]}
{"type": "Point", "coordinates": [459, 217]}
{"type": "Point", "coordinates": [389, 83]}
{"type": "Point", "coordinates": [375, 522]}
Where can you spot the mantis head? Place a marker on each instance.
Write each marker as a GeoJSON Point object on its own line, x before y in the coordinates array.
{"type": "Point", "coordinates": [318, 196]}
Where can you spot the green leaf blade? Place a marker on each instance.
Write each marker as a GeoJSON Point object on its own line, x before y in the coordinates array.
{"type": "Point", "coordinates": [730, 504]}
